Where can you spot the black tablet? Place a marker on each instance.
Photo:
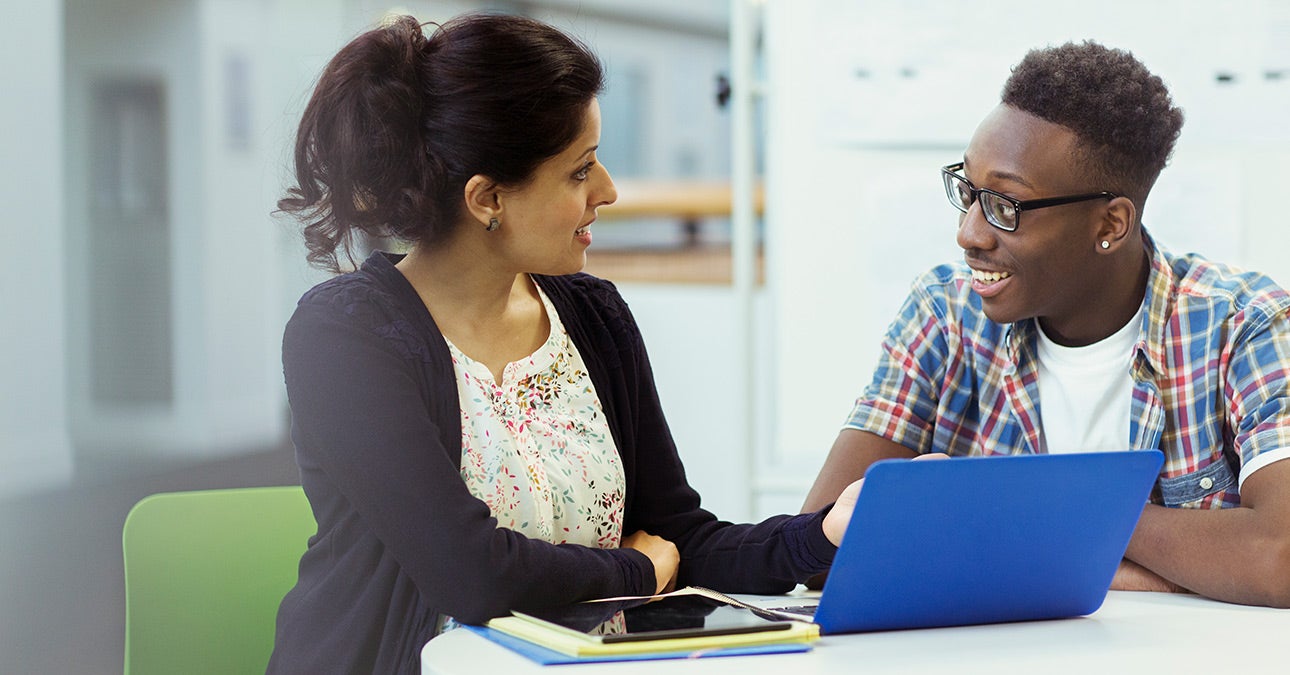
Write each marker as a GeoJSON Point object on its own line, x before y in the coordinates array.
{"type": "Point", "coordinates": [670, 617]}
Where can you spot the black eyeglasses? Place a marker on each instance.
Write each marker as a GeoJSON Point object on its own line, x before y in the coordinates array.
{"type": "Point", "coordinates": [1001, 211]}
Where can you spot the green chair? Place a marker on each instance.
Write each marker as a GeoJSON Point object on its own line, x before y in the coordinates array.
{"type": "Point", "coordinates": [204, 573]}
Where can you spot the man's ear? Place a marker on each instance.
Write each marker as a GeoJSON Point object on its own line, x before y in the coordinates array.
{"type": "Point", "coordinates": [1118, 222]}
{"type": "Point", "coordinates": [482, 202]}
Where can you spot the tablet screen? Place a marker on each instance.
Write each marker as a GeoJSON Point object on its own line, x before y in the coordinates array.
{"type": "Point", "coordinates": [677, 616]}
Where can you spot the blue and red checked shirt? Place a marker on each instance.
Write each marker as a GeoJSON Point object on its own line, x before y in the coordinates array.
{"type": "Point", "coordinates": [1211, 374]}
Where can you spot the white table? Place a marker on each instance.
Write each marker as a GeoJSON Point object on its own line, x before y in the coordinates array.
{"type": "Point", "coordinates": [1131, 633]}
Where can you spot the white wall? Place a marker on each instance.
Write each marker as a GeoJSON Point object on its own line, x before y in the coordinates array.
{"type": "Point", "coordinates": [232, 274]}
{"type": "Point", "coordinates": [691, 333]}
{"type": "Point", "coordinates": [116, 41]}
{"type": "Point", "coordinates": [305, 35]}
{"type": "Point", "coordinates": [167, 43]}
{"type": "Point", "coordinates": [34, 447]}
{"type": "Point", "coordinates": [854, 204]}
{"type": "Point", "coordinates": [683, 133]}
{"type": "Point", "coordinates": [236, 75]}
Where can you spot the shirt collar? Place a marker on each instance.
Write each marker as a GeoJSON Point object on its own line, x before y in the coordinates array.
{"type": "Point", "coordinates": [1161, 292]}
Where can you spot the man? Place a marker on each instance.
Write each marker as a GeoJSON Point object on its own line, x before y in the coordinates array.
{"type": "Point", "coordinates": [1069, 328]}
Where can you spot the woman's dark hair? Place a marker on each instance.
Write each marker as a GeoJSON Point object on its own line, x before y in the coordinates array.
{"type": "Point", "coordinates": [1123, 115]}
{"type": "Point", "coordinates": [398, 123]}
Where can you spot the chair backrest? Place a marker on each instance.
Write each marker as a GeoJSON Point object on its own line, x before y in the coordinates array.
{"type": "Point", "coordinates": [204, 574]}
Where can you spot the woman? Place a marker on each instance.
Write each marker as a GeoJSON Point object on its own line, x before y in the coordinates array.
{"type": "Point", "coordinates": [476, 424]}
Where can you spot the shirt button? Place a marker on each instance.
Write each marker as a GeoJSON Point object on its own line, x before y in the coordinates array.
{"type": "Point", "coordinates": [1206, 483]}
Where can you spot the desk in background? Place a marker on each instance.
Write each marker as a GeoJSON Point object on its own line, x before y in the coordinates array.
{"type": "Point", "coordinates": [682, 198]}
{"type": "Point", "coordinates": [690, 201]}
{"type": "Point", "coordinates": [1131, 633]}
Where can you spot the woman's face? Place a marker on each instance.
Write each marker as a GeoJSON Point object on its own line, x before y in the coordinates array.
{"type": "Point", "coordinates": [547, 221]}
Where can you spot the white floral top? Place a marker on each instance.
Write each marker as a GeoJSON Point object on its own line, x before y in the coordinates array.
{"type": "Point", "coordinates": [536, 447]}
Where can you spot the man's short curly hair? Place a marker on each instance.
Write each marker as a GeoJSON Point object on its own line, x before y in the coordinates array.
{"type": "Point", "coordinates": [1123, 115]}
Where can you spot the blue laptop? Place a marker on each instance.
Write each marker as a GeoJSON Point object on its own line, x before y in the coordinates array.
{"type": "Point", "coordinates": [985, 540]}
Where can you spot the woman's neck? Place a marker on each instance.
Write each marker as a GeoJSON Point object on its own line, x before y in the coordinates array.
{"type": "Point", "coordinates": [451, 279]}
{"type": "Point", "coordinates": [492, 315]}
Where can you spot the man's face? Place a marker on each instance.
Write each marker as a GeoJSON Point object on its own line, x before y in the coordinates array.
{"type": "Point", "coordinates": [1047, 268]}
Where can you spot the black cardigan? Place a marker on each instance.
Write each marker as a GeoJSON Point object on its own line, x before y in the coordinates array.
{"type": "Point", "coordinates": [376, 426]}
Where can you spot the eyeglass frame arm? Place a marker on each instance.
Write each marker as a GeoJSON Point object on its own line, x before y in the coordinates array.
{"type": "Point", "coordinates": [1020, 205]}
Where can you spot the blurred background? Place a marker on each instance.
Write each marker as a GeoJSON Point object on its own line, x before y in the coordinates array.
{"type": "Point", "coordinates": [777, 168]}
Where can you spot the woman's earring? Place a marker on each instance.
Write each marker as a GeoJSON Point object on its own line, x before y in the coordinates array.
{"type": "Point", "coordinates": [494, 223]}
{"type": "Point", "coordinates": [1105, 244]}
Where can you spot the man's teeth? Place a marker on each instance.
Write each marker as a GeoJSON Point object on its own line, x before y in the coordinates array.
{"type": "Point", "coordinates": [582, 230]}
{"type": "Point", "coordinates": [989, 277]}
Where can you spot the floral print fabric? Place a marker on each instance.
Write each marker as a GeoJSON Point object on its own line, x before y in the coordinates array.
{"type": "Point", "coordinates": [536, 446]}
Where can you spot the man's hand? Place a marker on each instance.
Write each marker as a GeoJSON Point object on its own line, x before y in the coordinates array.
{"type": "Point", "coordinates": [836, 520]}
{"type": "Point", "coordinates": [1134, 577]}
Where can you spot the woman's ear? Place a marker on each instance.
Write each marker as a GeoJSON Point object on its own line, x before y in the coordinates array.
{"type": "Point", "coordinates": [482, 202]}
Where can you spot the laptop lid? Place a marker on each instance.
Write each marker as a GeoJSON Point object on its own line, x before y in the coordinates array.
{"type": "Point", "coordinates": [985, 539]}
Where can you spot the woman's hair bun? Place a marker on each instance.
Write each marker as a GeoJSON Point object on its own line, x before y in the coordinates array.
{"type": "Point", "coordinates": [399, 122]}
{"type": "Point", "coordinates": [405, 42]}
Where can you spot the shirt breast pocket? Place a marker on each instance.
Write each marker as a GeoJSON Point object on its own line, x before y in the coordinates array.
{"type": "Point", "coordinates": [1193, 490]}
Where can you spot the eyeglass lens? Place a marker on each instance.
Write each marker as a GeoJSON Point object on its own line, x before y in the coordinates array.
{"type": "Point", "coordinates": [998, 211]}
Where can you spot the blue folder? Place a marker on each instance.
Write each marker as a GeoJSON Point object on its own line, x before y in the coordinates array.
{"type": "Point", "coordinates": [548, 657]}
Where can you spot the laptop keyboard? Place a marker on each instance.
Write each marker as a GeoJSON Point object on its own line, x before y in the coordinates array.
{"type": "Point", "coordinates": [803, 610]}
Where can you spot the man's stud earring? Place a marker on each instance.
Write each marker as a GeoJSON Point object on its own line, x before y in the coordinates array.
{"type": "Point", "coordinates": [494, 223]}
{"type": "Point", "coordinates": [1105, 244]}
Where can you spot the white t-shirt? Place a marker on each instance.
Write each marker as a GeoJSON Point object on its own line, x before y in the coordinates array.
{"type": "Point", "coordinates": [1085, 393]}
{"type": "Point", "coordinates": [1086, 397]}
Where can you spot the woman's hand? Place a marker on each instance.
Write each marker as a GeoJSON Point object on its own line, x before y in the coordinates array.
{"type": "Point", "coordinates": [661, 552]}
{"type": "Point", "coordinates": [836, 520]}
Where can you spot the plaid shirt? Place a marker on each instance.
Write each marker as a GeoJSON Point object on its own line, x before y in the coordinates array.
{"type": "Point", "coordinates": [1211, 373]}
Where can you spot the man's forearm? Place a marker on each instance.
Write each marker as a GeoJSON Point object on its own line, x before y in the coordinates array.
{"type": "Point", "coordinates": [1230, 554]}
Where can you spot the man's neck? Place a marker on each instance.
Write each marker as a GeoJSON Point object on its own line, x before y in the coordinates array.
{"type": "Point", "coordinates": [1118, 302]}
